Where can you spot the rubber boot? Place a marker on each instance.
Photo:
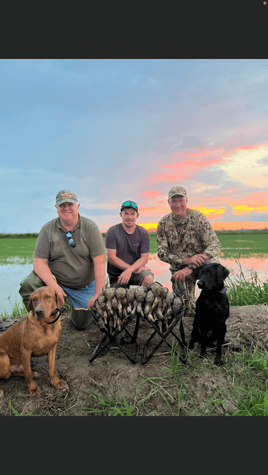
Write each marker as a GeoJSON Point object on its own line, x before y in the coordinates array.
{"type": "Point", "coordinates": [81, 318]}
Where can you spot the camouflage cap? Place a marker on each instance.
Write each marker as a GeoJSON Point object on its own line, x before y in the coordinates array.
{"type": "Point", "coordinates": [66, 196]}
{"type": "Point", "coordinates": [177, 190]}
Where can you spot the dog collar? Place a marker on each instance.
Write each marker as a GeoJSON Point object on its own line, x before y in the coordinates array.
{"type": "Point", "coordinates": [54, 313]}
{"type": "Point", "coordinates": [223, 291]}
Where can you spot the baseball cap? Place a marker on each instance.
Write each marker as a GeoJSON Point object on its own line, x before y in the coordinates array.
{"type": "Point", "coordinates": [129, 204]}
{"type": "Point", "coordinates": [177, 190]}
{"type": "Point", "coordinates": [66, 196]}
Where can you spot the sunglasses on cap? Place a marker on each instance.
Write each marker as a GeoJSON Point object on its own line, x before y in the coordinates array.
{"type": "Point", "coordinates": [129, 204]}
{"type": "Point", "coordinates": [70, 239]}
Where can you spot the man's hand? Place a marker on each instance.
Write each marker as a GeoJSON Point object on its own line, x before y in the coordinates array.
{"type": "Point", "coordinates": [91, 301]}
{"type": "Point", "coordinates": [182, 274]}
{"type": "Point", "coordinates": [60, 294]}
{"type": "Point", "coordinates": [124, 277]}
{"type": "Point", "coordinates": [197, 260]}
{"type": "Point", "coordinates": [141, 269]}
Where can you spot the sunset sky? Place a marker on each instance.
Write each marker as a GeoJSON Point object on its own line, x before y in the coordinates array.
{"type": "Point", "coordinates": [112, 130]}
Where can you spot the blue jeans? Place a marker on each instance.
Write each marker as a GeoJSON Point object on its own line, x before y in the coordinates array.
{"type": "Point", "coordinates": [79, 298]}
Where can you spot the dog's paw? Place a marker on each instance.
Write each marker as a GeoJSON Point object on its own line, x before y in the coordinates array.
{"type": "Point", "coordinates": [34, 390]}
{"type": "Point", "coordinates": [59, 383]}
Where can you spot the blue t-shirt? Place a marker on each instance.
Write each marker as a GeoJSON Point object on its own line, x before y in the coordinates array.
{"type": "Point", "coordinates": [129, 247]}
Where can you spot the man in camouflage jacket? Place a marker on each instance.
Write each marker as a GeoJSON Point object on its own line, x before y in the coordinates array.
{"type": "Point", "coordinates": [186, 240]}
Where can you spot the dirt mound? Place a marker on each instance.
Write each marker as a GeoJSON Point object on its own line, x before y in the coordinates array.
{"type": "Point", "coordinates": [150, 387]}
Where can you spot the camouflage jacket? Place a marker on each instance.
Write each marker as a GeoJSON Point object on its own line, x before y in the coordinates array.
{"type": "Point", "coordinates": [179, 238]}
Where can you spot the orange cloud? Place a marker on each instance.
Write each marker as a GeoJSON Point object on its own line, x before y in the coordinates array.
{"type": "Point", "coordinates": [234, 225]}
{"type": "Point", "coordinates": [244, 209]}
{"type": "Point", "coordinates": [253, 199]}
{"type": "Point", "coordinates": [211, 213]}
{"type": "Point", "coordinates": [217, 226]}
{"type": "Point", "coordinates": [149, 226]}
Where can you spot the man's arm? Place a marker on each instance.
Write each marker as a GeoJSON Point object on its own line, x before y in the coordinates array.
{"type": "Point", "coordinates": [41, 268]}
{"type": "Point", "coordinates": [127, 268]}
{"type": "Point", "coordinates": [163, 251]}
{"type": "Point", "coordinates": [100, 277]}
{"type": "Point", "coordinates": [211, 243]}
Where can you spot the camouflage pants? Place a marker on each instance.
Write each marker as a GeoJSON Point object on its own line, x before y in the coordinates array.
{"type": "Point", "coordinates": [190, 282]}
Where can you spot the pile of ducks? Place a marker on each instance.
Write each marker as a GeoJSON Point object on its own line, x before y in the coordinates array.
{"type": "Point", "coordinates": [155, 303]}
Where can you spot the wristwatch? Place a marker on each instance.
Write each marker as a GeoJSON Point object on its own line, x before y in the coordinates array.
{"type": "Point", "coordinates": [191, 266]}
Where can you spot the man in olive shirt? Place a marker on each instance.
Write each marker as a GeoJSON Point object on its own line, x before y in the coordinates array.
{"type": "Point", "coordinates": [69, 256]}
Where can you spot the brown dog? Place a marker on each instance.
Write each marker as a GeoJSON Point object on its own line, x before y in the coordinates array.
{"type": "Point", "coordinates": [37, 334]}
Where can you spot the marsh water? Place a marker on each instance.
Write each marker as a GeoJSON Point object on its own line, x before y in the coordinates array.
{"type": "Point", "coordinates": [16, 257]}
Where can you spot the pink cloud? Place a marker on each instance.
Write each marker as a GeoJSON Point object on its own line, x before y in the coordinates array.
{"type": "Point", "coordinates": [150, 193]}
{"type": "Point", "coordinates": [195, 163]}
{"type": "Point", "coordinates": [155, 210]}
{"type": "Point", "coordinates": [185, 164]}
{"type": "Point", "coordinates": [235, 150]}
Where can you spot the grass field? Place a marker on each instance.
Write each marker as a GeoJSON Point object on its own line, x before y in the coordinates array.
{"type": "Point", "coordinates": [234, 244]}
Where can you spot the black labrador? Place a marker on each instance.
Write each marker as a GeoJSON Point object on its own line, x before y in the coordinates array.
{"type": "Point", "coordinates": [212, 310]}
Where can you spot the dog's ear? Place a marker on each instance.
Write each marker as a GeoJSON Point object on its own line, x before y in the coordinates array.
{"type": "Point", "coordinates": [222, 272]}
{"type": "Point", "coordinates": [57, 300]}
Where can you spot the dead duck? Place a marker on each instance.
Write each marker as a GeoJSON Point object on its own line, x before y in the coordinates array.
{"type": "Point", "coordinates": [140, 295]}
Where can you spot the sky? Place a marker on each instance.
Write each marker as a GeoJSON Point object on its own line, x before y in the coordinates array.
{"type": "Point", "coordinates": [117, 129]}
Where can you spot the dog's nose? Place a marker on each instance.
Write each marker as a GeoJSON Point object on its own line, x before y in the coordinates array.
{"type": "Point", "coordinates": [200, 284]}
{"type": "Point", "coordinates": [39, 312]}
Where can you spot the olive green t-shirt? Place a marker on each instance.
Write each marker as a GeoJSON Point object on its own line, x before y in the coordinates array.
{"type": "Point", "coordinates": [72, 266]}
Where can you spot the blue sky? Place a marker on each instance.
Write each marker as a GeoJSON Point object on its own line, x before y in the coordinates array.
{"type": "Point", "coordinates": [112, 130]}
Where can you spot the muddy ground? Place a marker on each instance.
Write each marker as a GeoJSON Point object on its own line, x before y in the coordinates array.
{"type": "Point", "coordinates": [112, 374]}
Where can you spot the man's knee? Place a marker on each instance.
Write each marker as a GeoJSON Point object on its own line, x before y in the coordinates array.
{"type": "Point", "coordinates": [28, 286]}
{"type": "Point", "coordinates": [147, 280]}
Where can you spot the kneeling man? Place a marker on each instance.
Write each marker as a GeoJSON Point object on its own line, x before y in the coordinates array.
{"type": "Point", "coordinates": [128, 246]}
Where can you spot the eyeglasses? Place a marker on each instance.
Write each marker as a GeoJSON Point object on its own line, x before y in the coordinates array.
{"type": "Point", "coordinates": [129, 203]}
{"type": "Point", "coordinates": [70, 239]}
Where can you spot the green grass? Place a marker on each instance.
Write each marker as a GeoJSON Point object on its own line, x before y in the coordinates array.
{"type": "Point", "coordinates": [109, 406]}
{"type": "Point", "coordinates": [242, 291]}
{"type": "Point", "coordinates": [250, 372]}
{"type": "Point", "coordinates": [243, 245]}
{"type": "Point", "coordinates": [234, 244]}
{"type": "Point", "coordinates": [17, 310]}
{"type": "Point", "coordinates": [18, 250]}
{"type": "Point", "coordinates": [246, 389]}
{"type": "Point", "coordinates": [13, 411]}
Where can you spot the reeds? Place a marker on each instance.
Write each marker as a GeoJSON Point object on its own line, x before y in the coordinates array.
{"type": "Point", "coordinates": [243, 291]}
